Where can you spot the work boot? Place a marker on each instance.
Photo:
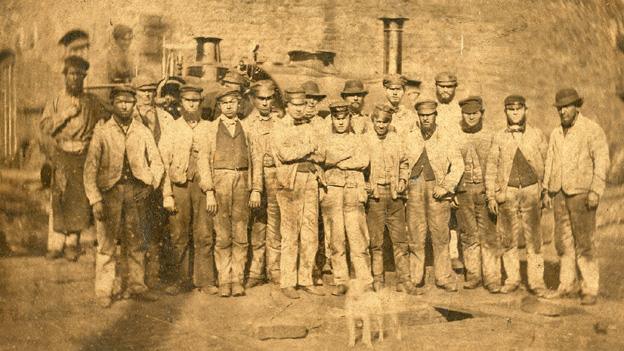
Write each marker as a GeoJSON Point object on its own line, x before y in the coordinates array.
{"type": "Point", "coordinates": [251, 282]}
{"type": "Point", "coordinates": [148, 296]}
{"type": "Point", "coordinates": [493, 288]}
{"type": "Point", "coordinates": [378, 285]}
{"type": "Point", "coordinates": [449, 287]}
{"type": "Point", "coordinates": [589, 300]}
{"type": "Point", "coordinates": [225, 290]}
{"type": "Point", "coordinates": [290, 293]}
{"type": "Point", "coordinates": [508, 288]}
{"type": "Point", "coordinates": [104, 301]}
{"type": "Point", "coordinates": [237, 290]}
{"type": "Point", "coordinates": [209, 290]}
{"type": "Point", "coordinates": [313, 290]}
{"type": "Point", "coordinates": [472, 284]}
{"type": "Point", "coordinates": [339, 290]}
{"type": "Point", "coordinates": [53, 255]}
{"type": "Point", "coordinates": [71, 253]}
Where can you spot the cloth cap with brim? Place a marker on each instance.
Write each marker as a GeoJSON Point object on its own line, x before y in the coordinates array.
{"type": "Point", "coordinates": [227, 92]}
{"type": "Point", "coordinates": [384, 110]}
{"type": "Point", "coordinates": [338, 107]}
{"type": "Point", "coordinates": [295, 94]}
{"type": "Point", "coordinates": [76, 62]}
{"type": "Point", "coordinates": [312, 89]}
{"type": "Point", "coordinates": [191, 91]}
{"type": "Point", "coordinates": [515, 100]}
{"type": "Point", "coordinates": [145, 83]}
{"type": "Point", "coordinates": [446, 79]}
{"type": "Point", "coordinates": [233, 77]}
{"type": "Point", "coordinates": [412, 82]}
{"type": "Point", "coordinates": [354, 87]}
{"type": "Point", "coordinates": [263, 88]}
{"type": "Point", "coordinates": [471, 104]}
{"type": "Point", "coordinates": [426, 107]}
{"type": "Point", "coordinates": [126, 92]}
{"type": "Point", "coordinates": [393, 80]}
{"type": "Point", "coordinates": [74, 38]}
{"type": "Point", "coordinates": [566, 97]}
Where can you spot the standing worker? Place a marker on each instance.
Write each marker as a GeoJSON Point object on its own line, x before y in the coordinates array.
{"type": "Point", "coordinates": [119, 65]}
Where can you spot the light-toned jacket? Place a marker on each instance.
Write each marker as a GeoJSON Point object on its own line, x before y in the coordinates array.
{"type": "Point", "coordinates": [391, 150]}
{"type": "Point", "coordinates": [474, 144]}
{"type": "Point", "coordinates": [533, 146]}
{"type": "Point", "coordinates": [207, 145]}
{"type": "Point", "coordinates": [345, 172]}
{"type": "Point", "coordinates": [105, 157]}
{"type": "Point", "coordinates": [443, 153]}
{"type": "Point", "coordinates": [405, 120]}
{"type": "Point", "coordinates": [577, 162]}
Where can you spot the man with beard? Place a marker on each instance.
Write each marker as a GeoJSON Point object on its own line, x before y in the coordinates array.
{"type": "Point", "coordinates": [478, 236]}
{"type": "Point", "coordinates": [355, 94]}
{"type": "Point", "coordinates": [576, 167]}
{"type": "Point", "coordinates": [66, 127]}
{"type": "Point", "coordinates": [297, 157]}
{"type": "Point", "coordinates": [189, 223]}
{"type": "Point", "coordinates": [119, 66]}
{"type": "Point", "coordinates": [449, 112]}
{"type": "Point", "coordinates": [157, 120]}
{"type": "Point", "coordinates": [436, 167]}
{"type": "Point", "coordinates": [231, 175]}
{"type": "Point", "coordinates": [404, 119]}
{"type": "Point", "coordinates": [265, 235]}
{"type": "Point", "coordinates": [344, 197]}
{"type": "Point", "coordinates": [513, 176]}
{"type": "Point", "coordinates": [387, 182]}
{"type": "Point", "coordinates": [122, 168]}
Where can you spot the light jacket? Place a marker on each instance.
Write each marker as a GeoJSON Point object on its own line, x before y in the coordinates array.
{"type": "Point", "coordinates": [105, 157]}
{"type": "Point", "coordinates": [478, 144]}
{"type": "Point", "coordinates": [348, 172]}
{"type": "Point", "coordinates": [578, 161]}
{"type": "Point", "coordinates": [391, 150]}
{"type": "Point", "coordinates": [533, 146]}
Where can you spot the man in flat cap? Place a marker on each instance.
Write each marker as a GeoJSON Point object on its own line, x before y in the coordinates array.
{"type": "Point", "coordinates": [189, 223]}
{"type": "Point", "coordinates": [412, 91]}
{"type": "Point", "coordinates": [387, 182]}
{"type": "Point", "coordinates": [297, 158]}
{"type": "Point", "coordinates": [157, 120]}
{"type": "Point", "coordinates": [119, 66]}
{"type": "Point", "coordinates": [449, 112]}
{"type": "Point", "coordinates": [513, 176]}
{"type": "Point", "coordinates": [76, 43]}
{"type": "Point", "coordinates": [234, 80]}
{"type": "Point", "coordinates": [478, 236]}
{"type": "Point", "coordinates": [576, 169]}
{"type": "Point", "coordinates": [436, 166]}
{"type": "Point", "coordinates": [314, 97]}
{"type": "Point", "coordinates": [404, 119]}
{"type": "Point", "coordinates": [230, 171]}
{"type": "Point", "coordinates": [66, 128]}
{"type": "Point", "coordinates": [123, 166]}
{"type": "Point", "coordinates": [344, 197]}
{"type": "Point", "coordinates": [354, 94]}
{"type": "Point", "coordinates": [265, 234]}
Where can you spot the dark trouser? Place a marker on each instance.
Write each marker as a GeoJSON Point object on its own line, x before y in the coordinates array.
{"type": "Point", "coordinates": [389, 212]}
{"type": "Point", "coordinates": [574, 238]}
{"type": "Point", "coordinates": [124, 211]}
{"type": "Point", "coordinates": [156, 224]}
{"type": "Point", "coordinates": [70, 207]}
{"type": "Point", "coordinates": [191, 226]}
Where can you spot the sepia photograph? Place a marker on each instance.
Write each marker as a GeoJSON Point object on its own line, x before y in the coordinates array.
{"type": "Point", "coordinates": [311, 175]}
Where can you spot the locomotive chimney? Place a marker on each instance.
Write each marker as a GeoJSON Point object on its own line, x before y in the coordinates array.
{"type": "Point", "coordinates": [208, 50]}
{"type": "Point", "coordinates": [393, 43]}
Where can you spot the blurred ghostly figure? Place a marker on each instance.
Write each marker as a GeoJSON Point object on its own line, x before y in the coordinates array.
{"type": "Point", "coordinates": [119, 67]}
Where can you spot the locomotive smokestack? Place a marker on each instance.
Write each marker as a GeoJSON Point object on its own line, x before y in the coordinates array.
{"type": "Point", "coordinates": [208, 50]}
{"type": "Point", "coordinates": [393, 43]}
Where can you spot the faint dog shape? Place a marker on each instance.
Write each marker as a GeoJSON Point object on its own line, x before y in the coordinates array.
{"type": "Point", "coordinates": [363, 304]}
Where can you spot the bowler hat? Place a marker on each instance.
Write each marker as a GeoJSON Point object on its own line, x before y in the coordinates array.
{"type": "Point", "coordinates": [312, 89]}
{"type": "Point", "coordinates": [353, 87]}
{"type": "Point", "coordinates": [567, 96]}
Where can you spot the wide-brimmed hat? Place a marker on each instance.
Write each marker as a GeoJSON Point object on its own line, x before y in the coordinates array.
{"type": "Point", "coordinates": [353, 87]}
{"type": "Point", "coordinates": [567, 96]}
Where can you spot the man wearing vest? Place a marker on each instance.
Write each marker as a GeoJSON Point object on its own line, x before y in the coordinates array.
{"type": "Point", "coordinates": [514, 172]}
{"type": "Point", "coordinates": [189, 223]}
{"type": "Point", "coordinates": [122, 168]}
{"type": "Point", "coordinates": [231, 175]}
{"type": "Point", "coordinates": [344, 198]}
{"type": "Point", "coordinates": [387, 183]}
{"type": "Point", "coordinates": [265, 234]}
{"type": "Point", "coordinates": [297, 157]}
{"type": "Point", "coordinates": [404, 118]}
{"type": "Point", "coordinates": [354, 94]}
{"type": "Point", "coordinates": [157, 120]}
{"type": "Point", "coordinates": [576, 168]}
{"type": "Point", "coordinates": [478, 236]}
{"type": "Point", "coordinates": [66, 128]}
{"type": "Point", "coordinates": [436, 167]}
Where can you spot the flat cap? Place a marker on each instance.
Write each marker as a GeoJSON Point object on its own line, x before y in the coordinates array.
{"type": "Point", "coordinates": [295, 93]}
{"type": "Point", "coordinates": [393, 80]}
{"type": "Point", "coordinates": [411, 81]}
{"type": "Point", "coordinates": [384, 109]}
{"type": "Point", "coordinates": [191, 89]}
{"type": "Point", "coordinates": [446, 79]}
{"type": "Point", "coordinates": [124, 90]}
{"type": "Point", "coordinates": [264, 87]}
{"type": "Point", "coordinates": [120, 31]}
{"type": "Point", "coordinates": [144, 82]}
{"type": "Point", "coordinates": [233, 77]}
{"type": "Point", "coordinates": [76, 62]}
{"type": "Point", "coordinates": [338, 106]}
{"type": "Point", "coordinates": [75, 37]}
{"type": "Point", "coordinates": [567, 96]}
{"type": "Point", "coordinates": [471, 104]}
{"type": "Point", "coordinates": [312, 89]}
{"type": "Point", "coordinates": [426, 107]}
{"type": "Point", "coordinates": [353, 87]}
{"type": "Point", "coordinates": [515, 100]}
{"type": "Point", "coordinates": [227, 92]}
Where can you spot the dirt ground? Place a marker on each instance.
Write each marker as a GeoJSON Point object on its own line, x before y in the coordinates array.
{"type": "Point", "coordinates": [48, 305]}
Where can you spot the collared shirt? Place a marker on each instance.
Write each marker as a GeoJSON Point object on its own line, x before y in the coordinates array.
{"type": "Point", "coordinates": [578, 161]}
{"type": "Point", "coordinates": [108, 149]}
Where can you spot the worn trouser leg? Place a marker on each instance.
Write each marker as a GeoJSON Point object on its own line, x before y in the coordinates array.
{"type": "Point", "coordinates": [56, 240]}
{"type": "Point", "coordinates": [470, 217]}
{"type": "Point", "coordinates": [509, 226]}
{"type": "Point", "coordinates": [259, 220]}
{"type": "Point", "coordinates": [299, 230]}
{"type": "Point", "coordinates": [391, 212]}
{"type": "Point", "coordinates": [203, 238]}
{"type": "Point", "coordinates": [180, 228]}
{"type": "Point", "coordinates": [416, 217]}
{"type": "Point", "coordinates": [357, 234]}
{"type": "Point", "coordinates": [490, 247]}
{"type": "Point", "coordinates": [530, 212]}
{"type": "Point", "coordinates": [230, 223]}
{"type": "Point", "coordinates": [273, 238]}
{"type": "Point", "coordinates": [155, 217]}
{"type": "Point", "coordinates": [438, 215]}
{"type": "Point", "coordinates": [105, 256]}
{"type": "Point", "coordinates": [333, 215]}
{"type": "Point", "coordinates": [327, 234]}
{"type": "Point", "coordinates": [575, 225]}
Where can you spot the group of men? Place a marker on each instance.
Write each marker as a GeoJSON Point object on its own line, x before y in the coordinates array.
{"type": "Point", "coordinates": [263, 179]}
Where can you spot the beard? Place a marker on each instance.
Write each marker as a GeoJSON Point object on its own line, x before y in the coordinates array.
{"type": "Point", "coordinates": [193, 116]}
{"type": "Point", "coordinates": [445, 98]}
{"type": "Point", "coordinates": [355, 106]}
